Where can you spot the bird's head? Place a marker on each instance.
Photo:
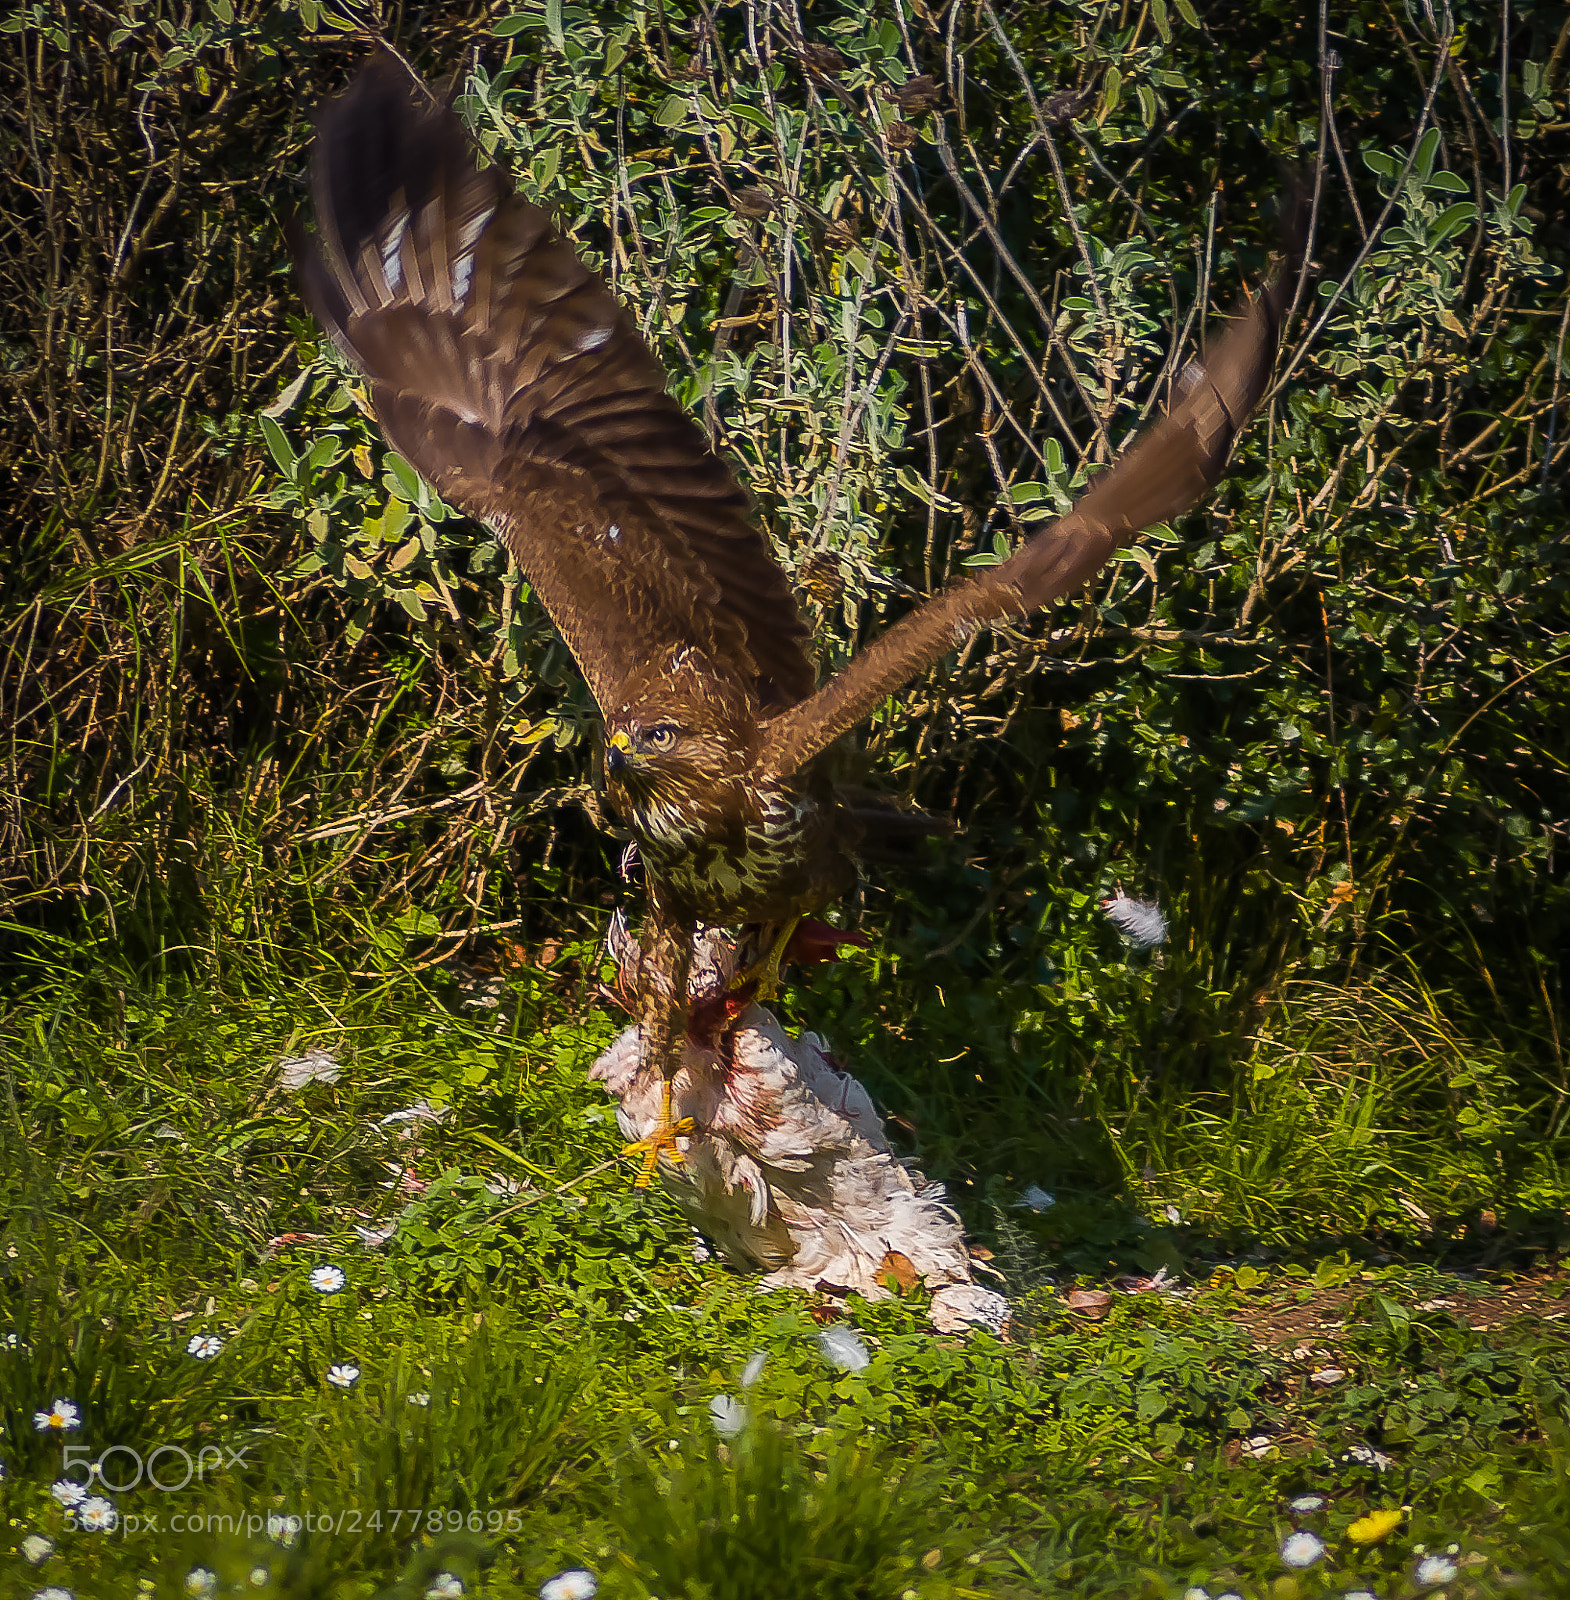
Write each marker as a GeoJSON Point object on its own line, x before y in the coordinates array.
{"type": "Point", "coordinates": [670, 754]}
{"type": "Point", "coordinates": [638, 754]}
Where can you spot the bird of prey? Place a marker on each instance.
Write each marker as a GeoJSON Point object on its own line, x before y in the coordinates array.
{"type": "Point", "coordinates": [507, 373]}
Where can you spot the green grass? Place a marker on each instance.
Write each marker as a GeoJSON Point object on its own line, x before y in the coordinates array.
{"type": "Point", "coordinates": [538, 1349]}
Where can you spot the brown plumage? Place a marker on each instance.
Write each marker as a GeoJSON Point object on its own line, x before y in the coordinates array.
{"type": "Point", "coordinates": [508, 374]}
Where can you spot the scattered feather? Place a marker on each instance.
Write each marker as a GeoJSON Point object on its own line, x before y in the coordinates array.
{"type": "Point", "coordinates": [315, 1066]}
{"type": "Point", "coordinates": [1139, 921]}
{"type": "Point", "coordinates": [420, 1111]}
{"type": "Point", "coordinates": [842, 1347]}
{"type": "Point", "coordinates": [728, 1415]}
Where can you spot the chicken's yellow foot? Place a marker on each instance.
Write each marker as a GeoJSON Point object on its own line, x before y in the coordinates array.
{"type": "Point", "coordinates": [662, 1137]}
{"type": "Point", "coordinates": [765, 971]}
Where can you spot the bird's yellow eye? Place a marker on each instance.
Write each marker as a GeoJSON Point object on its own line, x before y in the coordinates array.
{"type": "Point", "coordinates": [662, 736]}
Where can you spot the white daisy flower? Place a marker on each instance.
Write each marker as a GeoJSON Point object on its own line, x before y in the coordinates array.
{"type": "Point", "coordinates": [420, 1398]}
{"type": "Point", "coordinates": [315, 1066]}
{"type": "Point", "coordinates": [68, 1493]}
{"type": "Point", "coordinates": [420, 1111]}
{"type": "Point", "coordinates": [201, 1581]}
{"type": "Point", "coordinates": [1302, 1550]}
{"type": "Point", "coordinates": [754, 1369]}
{"type": "Point", "coordinates": [36, 1549]}
{"type": "Point", "coordinates": [842, 1347]}
{"type": "Point", "coordinates": [728, 1416]}
{"type": "Point", "coordinates": [344, 1375]}
{"type": "Point", "coordinates": [1306, 1503]}
{"type": "Point", "coordinates": [328, 1279]}
{"type": "Point", "coordinates": [204, 1346]}
{"type": "Point", "coordinates": [575, 1584]}
{"type": "Point", "coordinates": [1196, 1593]}
{"type": "Point", "coordinates": [1435, 1569]}
{"type": "Point", "coordinates": [62, 1415]}
{"type": "Point", "coordinates": [1035, 1198]}
{"type": "Point", "coordinates": [444, 1586]}
{"type": "Point", "coordinates": [1139, 921]}
{"type": "Point", "coordinates": [54, 1592]}
{"type": "Point", "coordinates": [96, 1515]}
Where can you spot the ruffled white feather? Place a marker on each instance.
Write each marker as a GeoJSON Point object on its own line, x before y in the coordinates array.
{"type": "Point", "coordinates": [789, 1172]}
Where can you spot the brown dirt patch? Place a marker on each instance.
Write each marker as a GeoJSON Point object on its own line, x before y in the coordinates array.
{"type": "Point", "coordinates": [1319, 1317]}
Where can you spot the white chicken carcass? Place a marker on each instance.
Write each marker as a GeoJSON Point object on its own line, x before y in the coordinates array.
{"type": "Point", "coordinates": [788, 1170]}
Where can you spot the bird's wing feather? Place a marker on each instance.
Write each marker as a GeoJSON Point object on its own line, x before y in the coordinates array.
{"type": "Point", "coordinates": [1165, 472]}
{"type": "Point", "coordinates": [512, 379]}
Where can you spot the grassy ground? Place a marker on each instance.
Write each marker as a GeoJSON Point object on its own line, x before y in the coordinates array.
{"type": "Point", "coordinates": [538, 1355]}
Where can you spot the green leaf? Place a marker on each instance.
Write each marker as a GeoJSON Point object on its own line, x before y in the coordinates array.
{"type": "Point", "coordinates": [553, 27]}
{"type": "Point", "coordinates": [405, 554]}
{"type": "Point", "coordinates": [320, 455]}
{"type": "Point", "coordinates": [1111, 91]}
{"type": "Point", "coordinates": [1449, 183]}
{"type": "Point", "coordinates": [279, 446]}
{"type": "Point", "coordinates": [1451, 221]}
{"type": "Point", "coordinates": [1158, 12]}
{"type": "Point", "coordinates": [508, 27]}
{"type": "Point", "coordinates": [1187, 12]}
{"type": "Point", "coordinates": [404, 481]}
{"type": "Point", "coordinates": [1423, 166]}
{"type": "Point", "coordinates": [673, 110]}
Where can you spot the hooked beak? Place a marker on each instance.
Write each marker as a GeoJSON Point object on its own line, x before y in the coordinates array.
{"type": "Point", "coordinates": [617, 753]}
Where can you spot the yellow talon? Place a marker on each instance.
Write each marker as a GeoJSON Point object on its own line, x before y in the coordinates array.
{"type": "Point", "coordinates": [766, 970]}
{"type": "Point", "coordinates": [662, 1137]}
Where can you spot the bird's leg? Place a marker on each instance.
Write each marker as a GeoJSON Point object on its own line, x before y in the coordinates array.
{"type": "Point", "coordinates": [765, 971]}
{"type": "Point", "coordinates": [661, 1003]}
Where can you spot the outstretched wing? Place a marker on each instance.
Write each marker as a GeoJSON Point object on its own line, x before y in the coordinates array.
{"type": "Point", "coordinates": [1167, 470]}
{"type": "Point", "coordinates": [517, 385]}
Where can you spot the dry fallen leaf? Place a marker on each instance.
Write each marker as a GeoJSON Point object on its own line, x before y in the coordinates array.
{"type": "Point", "coordinates": [1093, 1304]}
{"type": "Point", "coordinates": [896, 1271]}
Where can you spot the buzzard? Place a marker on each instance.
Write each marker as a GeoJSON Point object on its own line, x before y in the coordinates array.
{"type": "Point", "coordinates": [517, 385]}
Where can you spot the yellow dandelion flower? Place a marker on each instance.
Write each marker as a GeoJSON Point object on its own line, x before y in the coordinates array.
{"type": "Point", "coordinates": [1375, 1526]}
